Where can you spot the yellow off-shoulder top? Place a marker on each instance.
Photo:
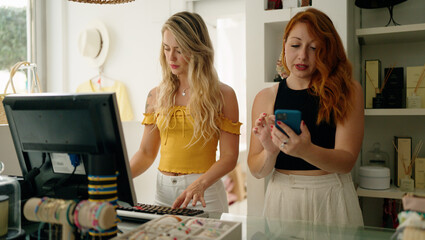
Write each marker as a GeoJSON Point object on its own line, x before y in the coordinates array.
{"type": "Point", "coordinates": [176, 154]}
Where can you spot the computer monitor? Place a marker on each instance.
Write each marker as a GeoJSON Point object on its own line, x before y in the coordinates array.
{"type": "Point", "coordinates": [52, 133]}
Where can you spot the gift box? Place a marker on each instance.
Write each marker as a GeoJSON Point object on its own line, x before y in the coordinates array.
{"type": "Point", "coordinates": [372, 76]}
{"type": "Point", "coordinates": [412, 76]}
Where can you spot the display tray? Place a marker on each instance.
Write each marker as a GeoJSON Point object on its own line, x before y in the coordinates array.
{"type": "Point", "coordinates": [185, 228]}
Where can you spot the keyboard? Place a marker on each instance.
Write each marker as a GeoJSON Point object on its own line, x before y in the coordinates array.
{"type": "Point", "coordinates": [146, 212]}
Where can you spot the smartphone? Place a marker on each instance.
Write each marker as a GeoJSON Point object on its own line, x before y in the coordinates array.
{"type": "Point", "coordinates": [292, 118]}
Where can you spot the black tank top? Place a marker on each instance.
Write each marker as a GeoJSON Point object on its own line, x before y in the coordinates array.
{"type": "Point", "coordinates": [322, 135]}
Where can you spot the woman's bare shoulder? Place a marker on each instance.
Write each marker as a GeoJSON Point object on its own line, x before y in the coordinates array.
{"type": "Point", "coordinates": [226, 89]}
{"type": "Point", "coordinates": [264, 100]}
{"type": "Point", "coordinates": [267, 94]}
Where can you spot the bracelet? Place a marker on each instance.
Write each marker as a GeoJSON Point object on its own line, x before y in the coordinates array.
{"type": "Point", "coordinates": [110, 200]}
{"type": "Point", "coordinates": [102, 178]}
{"type": "Point", "coordinates": [44, 209]}
{"type": "Point", "coordinates": [96, 215]}
{"type": "Point", "coordinates": [38, 206]}
{"type": "Point", "coordinates": [72, 203]}
{"type": "Point", "coordinates": [76, 212]}
{"type": "Point", "coordinates": [60, 204]}
{"type": "Point", "coordinates": [48, 208]}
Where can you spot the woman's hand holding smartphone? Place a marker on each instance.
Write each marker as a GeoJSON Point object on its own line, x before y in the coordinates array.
{"type": "Point", "coordinates": [292, 118]}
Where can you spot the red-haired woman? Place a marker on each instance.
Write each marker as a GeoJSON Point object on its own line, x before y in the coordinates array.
{"type": "Point", "coordinates": [311, 178]}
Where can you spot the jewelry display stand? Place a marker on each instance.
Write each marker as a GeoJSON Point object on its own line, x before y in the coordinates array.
{"type": "Point", "coordinates": [85, 215]}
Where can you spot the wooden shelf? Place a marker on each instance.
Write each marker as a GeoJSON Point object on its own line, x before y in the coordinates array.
{"type": "Point", "coordinates": [391, 34]}
{"type": "Point", "coordinates": [395, 112]}
{"type": "Point", "coordinates": [392, 193]}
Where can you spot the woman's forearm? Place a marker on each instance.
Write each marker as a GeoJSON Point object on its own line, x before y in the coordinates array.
{"type": "Point", "coordinates": [140, 163]}
{"type": "Point", "coordinates": [261, 164]}
{"type": "Point", "coordinates": [218, 170]}
{"type": "Point", "coordinates": [330, 160]}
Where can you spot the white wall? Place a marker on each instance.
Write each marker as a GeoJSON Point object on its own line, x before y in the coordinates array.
{"type": "Point", "coordinates": [225, 20]}
{"type": "Point", "coordinates": [135, 38]}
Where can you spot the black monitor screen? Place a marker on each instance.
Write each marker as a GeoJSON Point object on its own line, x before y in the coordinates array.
{"type": "Point", "coordinates": [57, 136]}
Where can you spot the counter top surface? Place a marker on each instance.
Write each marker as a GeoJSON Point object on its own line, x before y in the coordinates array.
{"type": "Point", "coordinates": [259, 228]}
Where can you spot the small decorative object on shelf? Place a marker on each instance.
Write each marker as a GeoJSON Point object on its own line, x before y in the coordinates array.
{"type": "Point", "coordinates": [305, 3]}
{"type": "Point", "coordinates": [377, 157]}
{"type": "Point", "coordinates": [375, 173]}
{"type": "Point", "coordinates": [374, 177]}
{"type": "Point", "coordinates": [407, 184]}
{"type": "Point", "coordinates": [393, 87]}
{"type": "Point", "coordinates": [402, 157]}
{"type": "Point", "coordinates": [420, 173]}
{"type": "Point", "coordinates": [371, 4]}
{"type": "Point", "coordinates": [280, 70]}
{"type": "Point", "coordinates": [378, 101]}
{"type": "Point", "coordinates": [372, 76]}
{"type": "Point", "coordinates": [274, 4]}
{"type": "Point", "coordinates": [414, 100]}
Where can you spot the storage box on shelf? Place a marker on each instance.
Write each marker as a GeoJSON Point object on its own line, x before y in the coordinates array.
{"type": "Point", "coordinates": [415, 91]}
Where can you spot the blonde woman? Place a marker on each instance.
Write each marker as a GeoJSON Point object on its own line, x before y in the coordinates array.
{"type": "Point", "coordinates": [187, 116]}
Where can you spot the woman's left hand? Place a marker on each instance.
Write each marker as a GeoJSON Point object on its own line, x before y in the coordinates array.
{"type": "Point", "coordinates": [291, 143]}
{"type": "Point", "coordinates": [194, 192]}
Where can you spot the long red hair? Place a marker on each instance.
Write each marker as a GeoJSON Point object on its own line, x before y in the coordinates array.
{"type": "Point", "coordinates": [332, 81]}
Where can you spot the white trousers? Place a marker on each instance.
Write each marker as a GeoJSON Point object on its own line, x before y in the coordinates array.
{"type": "Point", "coordinates": [328, 199]}
{"type": "Point", "coordinates": [168, 188]}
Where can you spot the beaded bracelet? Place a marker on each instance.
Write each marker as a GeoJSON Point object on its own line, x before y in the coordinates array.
{"type": "Point", "coordinates": [110, 200]}
{"type": "Point", "coordinates": [72, 203]}
{"type": "Point", "coordinates": [109, 232]}
{"type": "Point", "coordinates": [102, 178]}
{"type": "Point", "coordinates": [76, 212]}
{"type": "Point", "coordinates": [60, 205]}
{"type": "Point", "coordinates": [44, 209]}
{"type": "Point", "coordinates": [96, 215]}
{"type": "Point", "coordinates": [50, 210]}
{"type": "Point", "coordinates": [38, 206]}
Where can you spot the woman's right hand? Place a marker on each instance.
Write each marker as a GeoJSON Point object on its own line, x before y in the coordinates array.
{"type": "Point", "coordinates": [262, 129]}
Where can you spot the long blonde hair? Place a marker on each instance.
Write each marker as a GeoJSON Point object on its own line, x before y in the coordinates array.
{"type": "Point", "coordinates": [206, 101]}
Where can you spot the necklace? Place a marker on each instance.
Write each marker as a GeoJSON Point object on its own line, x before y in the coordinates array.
{"type": "Point", "coordinates": [184, 92]}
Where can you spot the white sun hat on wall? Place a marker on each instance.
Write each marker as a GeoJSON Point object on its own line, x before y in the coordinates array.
{"type": "Point", "coordinates": [93, 43]}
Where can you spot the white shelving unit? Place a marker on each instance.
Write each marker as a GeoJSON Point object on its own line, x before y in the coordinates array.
{"type": "Point", "coordinates": [402, 45]}
{"type": "Point", "coordinates": [395, 112]}
{"type": "Point", "coordinates": [392, 193]}
{"type": "Point", "coordinates": [392, 34]}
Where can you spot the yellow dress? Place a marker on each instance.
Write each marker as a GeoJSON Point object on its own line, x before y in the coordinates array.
{"type": "Point", "coordinates": [176, 154]}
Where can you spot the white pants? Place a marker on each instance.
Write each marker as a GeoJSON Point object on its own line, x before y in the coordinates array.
{"type": "Point", "coordinates": [168, 188]}
{"type": "Point", "coordinates": [327, 199]}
